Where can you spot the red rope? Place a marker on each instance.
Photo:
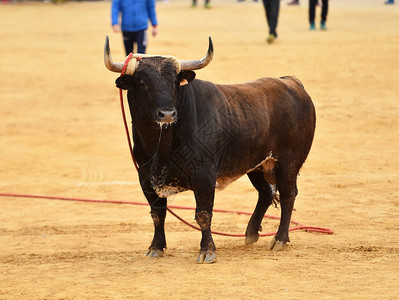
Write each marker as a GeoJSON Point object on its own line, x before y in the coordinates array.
{"type": "Point", "coordinates": [123, 113]}
{"type": "Point", "coordinates": [300, 226]}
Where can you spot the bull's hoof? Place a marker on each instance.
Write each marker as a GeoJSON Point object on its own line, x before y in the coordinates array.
{"type": "Point", "coordinates": [206, 257]}
{"type": "Point", "coordinates": [276, 245]}
{"type": "Point", "coordinates": [251, 239]}
{"type": "Point", "coordinates": [154, 253]}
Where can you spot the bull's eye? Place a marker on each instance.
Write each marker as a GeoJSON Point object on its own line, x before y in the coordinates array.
{"type": "Point", "coordinates": [143, 85]}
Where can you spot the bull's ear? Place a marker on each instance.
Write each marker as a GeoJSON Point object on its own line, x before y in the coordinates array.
{"type": "Point", "coordinates": [185, 77]}
{"type": "Point", "coordinates": [123, 82]}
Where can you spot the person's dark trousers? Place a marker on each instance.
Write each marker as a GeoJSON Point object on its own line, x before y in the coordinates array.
{"type": "Point", "coordinates": [138, 37]}
{"type": "Point", "coordinates": [272, 8]}
{"type": "Point", "coordinates": [195, 2]}
{"type": "Point", "coordinates": [312, 9]}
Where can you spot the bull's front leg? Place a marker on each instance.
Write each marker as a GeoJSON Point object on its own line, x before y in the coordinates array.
{"type": "Point", "coordinates": [158, 213]}
{"type": "Point", "coordinates": [204, 195]}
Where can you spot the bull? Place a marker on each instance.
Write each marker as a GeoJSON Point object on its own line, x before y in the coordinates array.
{"type": "Point", "coordinates": [191, 134]}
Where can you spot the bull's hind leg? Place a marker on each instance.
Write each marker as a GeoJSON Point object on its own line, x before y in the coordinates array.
{"type": "Point", "coordinates": [266, 195]}
{"type": "Point", "coordinates": [286, 185]}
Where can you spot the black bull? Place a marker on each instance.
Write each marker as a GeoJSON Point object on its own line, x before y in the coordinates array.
{"type": "Point", "coordinates": [191, 134]}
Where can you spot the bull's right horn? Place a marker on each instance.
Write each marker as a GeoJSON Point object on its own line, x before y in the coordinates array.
{"type": "Point", "coordinates": [198, 64]}
{"type": "Point", "coordinates": [114, 67]}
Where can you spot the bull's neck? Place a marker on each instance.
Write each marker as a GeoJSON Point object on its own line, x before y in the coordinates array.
{"type": "Point", "coordinates": [152, 143]}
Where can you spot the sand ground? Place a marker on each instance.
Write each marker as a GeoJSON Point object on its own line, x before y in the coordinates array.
{"type": "Point", "coordinates": [61, 134]}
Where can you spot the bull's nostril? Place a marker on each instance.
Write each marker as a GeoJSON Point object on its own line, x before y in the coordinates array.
{"type": "Point", "coordinates": [173, 114]}
{"type": "Point", "coordinates": [160, 114]}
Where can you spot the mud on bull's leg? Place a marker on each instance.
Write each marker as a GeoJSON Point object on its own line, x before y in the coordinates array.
{"type": "Point", "coordinates": [208, 249]}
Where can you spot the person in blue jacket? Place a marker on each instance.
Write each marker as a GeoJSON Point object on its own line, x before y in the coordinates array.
{"type": "Point", "coordinates": [133, 17]}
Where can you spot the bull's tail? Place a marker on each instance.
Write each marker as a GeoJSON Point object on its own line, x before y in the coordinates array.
{"type": "Point", "coordinates": [276, 199]}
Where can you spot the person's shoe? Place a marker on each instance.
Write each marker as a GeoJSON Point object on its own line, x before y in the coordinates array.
{"type": "Point", "coordinates": [390, 2]}
{"type": "Point", "coordinates": [323, 25]}
{"type": "Point", "coordinates": [293, 2]}
{"type": "Point", "coordinates": [312, 26]}
{"type": "Point", "coordinates": [207, 5]}
{"type": "Point", "coordinates": [271, 38]}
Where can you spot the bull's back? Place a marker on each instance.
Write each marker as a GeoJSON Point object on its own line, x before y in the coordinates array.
{"type": "Point", "coordinates": [263, 116]}
{"type": "Point", "coordinates": [275, 96]}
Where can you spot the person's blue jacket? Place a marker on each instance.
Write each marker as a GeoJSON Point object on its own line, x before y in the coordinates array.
{"type": "Point", "coordinates": [134, 14]}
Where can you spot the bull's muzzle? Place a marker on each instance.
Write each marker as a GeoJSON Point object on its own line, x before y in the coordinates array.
{"type": "Point", "coordinates": [166, 116]}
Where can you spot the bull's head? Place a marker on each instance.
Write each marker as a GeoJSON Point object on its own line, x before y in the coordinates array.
{"type": "Point", "coordinates": [153, 81]}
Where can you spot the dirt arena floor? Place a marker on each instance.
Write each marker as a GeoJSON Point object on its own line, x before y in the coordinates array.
{"type": "Point", "coordinates": [61, 134]}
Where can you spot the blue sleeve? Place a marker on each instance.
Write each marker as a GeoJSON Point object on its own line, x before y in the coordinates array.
{"type": "Point", "coordinates": [115, 9]}
{"type": "Point", "coordinates": [151, 12]}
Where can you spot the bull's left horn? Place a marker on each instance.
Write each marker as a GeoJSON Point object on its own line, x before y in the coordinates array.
{"type": "Point", "coordinates": [198, 64]}
{"type": "Point", "coordinates": [114, 67]}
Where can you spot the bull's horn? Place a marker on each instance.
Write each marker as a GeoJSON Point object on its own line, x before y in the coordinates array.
{"type": "Point", "coordinates": [114, 67]}
{"type": "Point", "coordinates": [198, 64]}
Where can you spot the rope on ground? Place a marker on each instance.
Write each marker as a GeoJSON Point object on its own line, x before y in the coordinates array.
{"type": "Point", "coordinates": [299, 226]}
